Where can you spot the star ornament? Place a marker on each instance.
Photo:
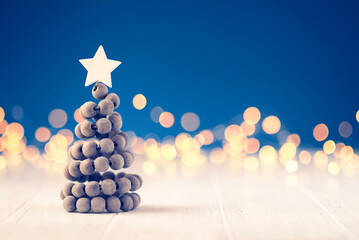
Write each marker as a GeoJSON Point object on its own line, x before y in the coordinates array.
{"type": "Point", "coordinates": [99, 68]}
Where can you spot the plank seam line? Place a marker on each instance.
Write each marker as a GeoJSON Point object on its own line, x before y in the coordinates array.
{"type": "Point", "coordinates": [321, 206]}
{"type": "Point", "coordinates": [220, 206]}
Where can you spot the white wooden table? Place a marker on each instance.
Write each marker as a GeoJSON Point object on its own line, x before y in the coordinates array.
{"type": "Point", "coordinates": [212, 205]}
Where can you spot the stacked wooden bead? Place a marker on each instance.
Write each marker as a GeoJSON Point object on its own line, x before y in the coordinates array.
{"type": "Point", "coordinates": [98, 188]}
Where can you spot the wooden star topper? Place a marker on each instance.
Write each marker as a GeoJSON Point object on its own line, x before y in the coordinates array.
{"type": "Point", "coordinates": [99, 68]}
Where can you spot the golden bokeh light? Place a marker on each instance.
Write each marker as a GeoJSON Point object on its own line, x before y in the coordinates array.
{"type": "Point", "coordinates": [294, 138]}
{"type": "Point", "coordinates": [268, 155]}
{"type": "Point", "coordinates": [251, 164]}
{"type": "Point", "coordinates": [333, 168]}
{"type": "Point", "coordinates": [155, 114]}
{"type": "Point", "coordinates": [271, 125]}
{"type": "Point", "coordinates": [166, 119]}
{"type": "Point", "coordinates": [190, 121]}
{"type": "Point", "coordinates": [357, 116]}
{"type": "Point", "coordinates": [291, 166]}
{"type": "Point", "coordinates": [139, 102]}
{"type": "Point", "coordinates": [305, 157]}
{"type": "Point", "coordinates": [252, 145]}
{"type": "Point", "coordinates": [42, 134]}
{"type": "Point", "coordinates": [68, 134]}
{"type": "Point", "coordinates": [248, 129]}
{"type": "Point", "coordinates": [329, 147]}
{"type": "Point", "coordinates": [57, 118]}
{"type": "Point", "coordinates": [320, 159]}
{"type": "Point", "coordinates": [251, 115]}
{"type": "Point", "coordinates": [346, 153]}
{"type": "Point", "coordinates": [345, 129]}
{"type": "Point", "coordinates": [234, 134]}
{"type": "Point", "coordinates": [77, 116]}
{"type": "Point", "coordinates": [287, 152]}
{"type": "Point", "coordinates": [168, 151]}
{"type": "Point", "coordinates": [320, 132]}
{"type": "Point", "coordinates": [2, 114]}
{"type": "Point", "coordinates": [14, 131]}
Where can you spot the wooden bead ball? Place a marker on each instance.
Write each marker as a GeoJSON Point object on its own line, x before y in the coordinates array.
{"type": "Point", "coordinates": [98, 205]}
{"type": "Point", "coordinates": [114, 99]}
{"type": "Point", "coordinates": [89, 149]}
{"type": "Point", "coordinates": [78, 190]}
{"type": "Point", "coordinates": [67, 175]}
{"type": "Point", "coordinates": [96, 176]}
{"type": "Point", "coordinates": [116, 161]}
{"type": "Point", "coordinates": [83, 205]}
{"type": "Point", "coordinates": [120, 175]}
{"type": "Point", "coordinates": [124, 185]}
{"type": "Point", "coordinates": [125, 135]}
{"type": "Point", "coordinates": [69, 203]}
{"type": "Point", "coordinates": [108, 175]}
{"type": "Point", "coordinates": [87, 129]}
{"type": "Point", "coordinates": [87, 167]}
{"type": "Point", "coordinates": [116, 121]}
{"type": "Point", "coordinates": [135, 183]}
{"type": "Point", "coordinates": [87, 110]}
{"type": "Point", "coordinates": [128, 158]}
{"type": "Point", "coordinates": [104, 126]}
{"type": "Point", "coordinates": [139, 178]}
{"type": "Point", "coordinates": [126, 203]}
{"type": "Point", "coordinates": [76, 151]}
{"type": "Point", "coordinates": [108, 187]}
{"type": "Point", "coordinates": [101, 164]}
{"type": "Point", "coordinates": [62, 196]}
{"type": "Point", "coordinates": [106, 107]}
{"type": "Point", "coordinates": [106, 146]}
{"type": "Point", "coordinates": [113, 204]}
{"type": "Point", "coordinates": [99, 91]}
{"type": "Point", "coordinates": [74, 169]}
{"type": "Point", "coordinates": [78, 132]}
{"type": "Point", "coordinates": [67, 189]}
{"type": "Point", "coordinates": [92, 189]}
{"type": "Point", "coordinates": [135, 199]}
{"type": "Point", "coordinates": [119, 141]}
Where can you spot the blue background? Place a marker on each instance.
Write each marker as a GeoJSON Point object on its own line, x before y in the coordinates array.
{"type": "Point", "coordinates": [297, 60]}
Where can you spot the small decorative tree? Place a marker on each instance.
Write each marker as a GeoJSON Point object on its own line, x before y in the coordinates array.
{"type": "Point", "coordinates": [99, 189]}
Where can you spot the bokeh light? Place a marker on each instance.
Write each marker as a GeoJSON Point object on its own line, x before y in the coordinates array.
{"type": "Point", "coordinates": [305, 157]}
{"type": "Point", "coordinates": [357, 116]}
{"type": "Point", "coordinates": [190, 121]}
{"type": "Point", "coordinates": [3, 125]}
{"type": "Point", "coordinates": [208, 137]}
{"type": "Point", "coordinates": [268, 155]}
{"type": "Point", "coordinates": [320, 132]}
{"type": "Point", "coordinates": [252, 145]}
{"type": "Point", "coordinates": [57, 118]}
{"type": "Point", "coordinates": [42, 134]}
{"type": "Point", "coordinates": [251, 115]}
{"type": "Point", "coordinates": [294, 138]}
{"type": "Point", "coordinates": [271, 125]}
{"type": "Point", "coordinates": [320, 159]}
{"type": "Point", "coordinates": [139, 102]}
{"type": "Point", "coordinates": [333, 168]}
{"type": "Point", "coordinates": [251, 164]}
{"type": "Point", "coordinates": [77, 116]}
{"type": "Point", "coordinates": [291, 166]}
{"type": "Point", "coordinates": [2, 114]}
{"type": "Point", "coordinates": [345, 129]}
{"type": "Point", "coordinates": [155, 114]}
{"type": "Point", "coordinates": [14, 131]}
{"type": "Point", "coordinates": [166, 119]}
{"type": "Point", "coordinates": [329, 147]}
{"type": "Point", "coordinates": [17, 112]}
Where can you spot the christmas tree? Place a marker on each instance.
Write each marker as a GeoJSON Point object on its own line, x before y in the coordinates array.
{"type": "Point", "coordinates": [98, 188]}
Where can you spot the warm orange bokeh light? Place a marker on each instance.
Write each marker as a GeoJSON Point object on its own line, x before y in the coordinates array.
{"type": "Point", "coordinates": [271, 125]}
{"type": "Point", "coordinates": [320, 132]}
{"type": "Point", "coordinates": [139, 102]}
{"type": "Point", "coordinates": [166, 119]}
{"type": "Point", "coordinates": [42, 134]}
{"type": "Point", "coordinates": [251, 115]}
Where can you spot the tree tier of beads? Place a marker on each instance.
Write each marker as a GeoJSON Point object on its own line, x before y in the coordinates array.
{"type": "Point", "coordinates": [98, 188]}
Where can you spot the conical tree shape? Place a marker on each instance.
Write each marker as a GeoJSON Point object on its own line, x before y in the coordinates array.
{"type": "Point", "coordinates": [99, 188]}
